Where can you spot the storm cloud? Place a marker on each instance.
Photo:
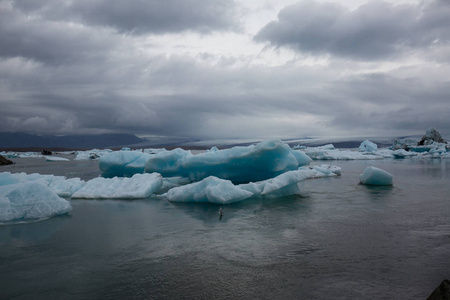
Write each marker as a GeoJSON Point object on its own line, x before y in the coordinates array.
{"type": "Point", "coordinates": [374, 31]}
{"type": "Point", "coordinates": [196, 69]}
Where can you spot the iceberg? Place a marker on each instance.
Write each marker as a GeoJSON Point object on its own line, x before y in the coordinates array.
{"type": "Point", "coordinates": [123, 163]}
{"type": "Point", "coordinates": [66, 188]}
{"type": "Point", "coordinates": [93, 154]}
{"type": "Point", "coordinates": [368, 146]}
{"type": "Point", "coordinates": [55, 158]}
{"type": "Point", "coordinates": [210, 189]}
{"type": "Point", "coordinates": [59, 184]}
{"type": "Point", "coordinates": [375, 176]}
{"type": "Point", "coordinates": [238, 164]}
{"type": "Point", "coordinates": [30, 201]}
{"type": "Point", "coordinates": [287, 183]}
{"type": "Point", "coordinates": [431, 136]}
{"type": "Point", "coordinates": [139, 186]}
{"type": "Point", "coordinates": [221, 191]}
{"type": "Point", "coordinates": [319, 153]}
{"type": "Point", "coordinates": [402, 153]}
{"type": "Point", "coordinates": [6, 178]}
{"type": "Point", "coordinates": [171, 182]}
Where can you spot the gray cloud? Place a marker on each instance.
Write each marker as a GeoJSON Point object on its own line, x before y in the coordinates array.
{"type": "Point", "coordinates": [49, 42]}
{"type": "Point", "coordinates": [140, 16]}
{"type": "Point", "coordinates": [63, 72]}
{"type": "Point", "coordinates": [376, 30]}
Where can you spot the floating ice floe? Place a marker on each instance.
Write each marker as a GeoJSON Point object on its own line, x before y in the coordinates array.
{"type": "Point", "coordinates": [402, 153]}
{"type": "Point", "coordinates": [210, 189]}
{"type": "Point", "coordinates": [238, 164]}
{"type": "Point", "coordinates": [91, 154]}
{"type": "Point", "coordinates": [66, 187]}
{"type": "Point", "coordinates": [221, 191]}
{"type": "Point", "coordinates": [368, 146]}
{"type": "Point", "coordinates": [59, 184]}
{"type": "Point", "coordinates": [25, 201]}
{"type": "Point", "coordinates": [123, 163]}
{"type": "Point", "coordinates": [55, 158]}
{"type": "Point", "coordinates": [139, 186]}
{"type": "Point", "coordinates": [375, 176]}
{"type": "Point", "coordinates": [320, 153]}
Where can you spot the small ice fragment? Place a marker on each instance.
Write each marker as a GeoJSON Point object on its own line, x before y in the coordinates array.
{"type": "Point", "coordinates": [375, 176]}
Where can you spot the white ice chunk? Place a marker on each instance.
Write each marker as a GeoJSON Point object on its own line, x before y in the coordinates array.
{"type": "Point", "coordinates": [368, 146]}
{"type": "Point", "coordinates": [211, 189]}
{"type": "Point", "coordinates": [65, 188]}
{"type": "Point", "coordinates": [137, 187]}
{"type": "Point", "coordinates": [375, 176]}
{"type": "Point", "coordinates": [317, 153]}
{"type": "Point", "coordinates": [55, 158]}
{"type": "Point", "coordinates": [302, 158]}
{"type": "Point", "coordinates": [30, 201]}
{"type": "Point", "coordinates": [123, 163]}
{"type": "Point", "coordinates": [402, 153]}
{"type": "Point", "coordinates": [7, 178]}
{"type": "Point", "coordinates": [59, 184]}
{"type": "Point", "coordinates": [215, 190]}
{"type": "Point", "coordinates": [171, 182]}
{"type": "Point", "coordinates": [91, 154]}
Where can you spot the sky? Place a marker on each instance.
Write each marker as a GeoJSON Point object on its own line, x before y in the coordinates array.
{"type": "Point", "coordinates": [225, 69]}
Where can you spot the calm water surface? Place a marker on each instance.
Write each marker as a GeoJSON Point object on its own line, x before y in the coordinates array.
{"type": "Point", "coordinates": [338, 240]}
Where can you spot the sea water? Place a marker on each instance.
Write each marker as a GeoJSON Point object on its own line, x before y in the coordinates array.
{"type": "Point", "coordinates": [338, 240]}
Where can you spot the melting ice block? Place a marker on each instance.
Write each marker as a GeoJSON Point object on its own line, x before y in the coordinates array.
{"type": "Point", "coordinates": [375, 176]}
{"type": "Point", "coordinates": [368, 146]}
{"type": "Point", "coordinates": [238, 164]}
{"type": "Point", "coordinates": [216, 190]}
{"type": "Point", "coordinates": [30, 201]}
{"type": "Point", "coordinates": [55, 158]}
{"type": "Point", "coordinates": [137, 187]}
{"type": "Point", "coordinates": [66, 188]}
{"type": "Point", "coordinates": [122, 163]}
{"type": "Point", "coordinates": [211, 189]}
{"type": "Point", "coordinates": [59, 184]}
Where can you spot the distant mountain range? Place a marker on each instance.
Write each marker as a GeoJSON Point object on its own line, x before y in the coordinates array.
{"type": "Point", "coordinates": [26, 140]}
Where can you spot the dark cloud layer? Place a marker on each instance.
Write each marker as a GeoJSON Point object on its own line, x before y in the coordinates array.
{"type": "Point", "coordinates": [376, 30]}
{"type": "Point", "coordinates": [67, 67]}
{"type": "Point", "coordinates": [139, 16]}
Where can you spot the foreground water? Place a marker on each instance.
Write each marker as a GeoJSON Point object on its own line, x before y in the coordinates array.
{"type": "Point", "coordinates": [337, 240]}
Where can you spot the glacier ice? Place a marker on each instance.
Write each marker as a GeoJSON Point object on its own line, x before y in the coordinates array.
{"type": "Point", "coordinates": [66, 187]}
{"type": "Point", "coordinates": [55, 158]}
{"type": "Point", "coordinates": [31, 200]}
{"type": "Point", "coordinates": [368, 146]}
{"type": "Point", "coordinates": [123, 163]}
{"type": "Point", "coordinates": [221, 191]}
{"type": "Point", "coordinates": [139, 186]}
{"type": "Point", "coordinates": [91, 154]}
{"type": "Point", "coordinates": [210, 189]}
{"type": "Point", "coordinates": [375, 176]}
{"type": "Point", "coordinates": [238, 164]}
{"type": "Point", "coordinates": [59, 184]}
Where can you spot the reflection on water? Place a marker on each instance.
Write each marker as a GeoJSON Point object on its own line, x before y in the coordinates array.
{"type": "Point", "coordinates": [338, 238]}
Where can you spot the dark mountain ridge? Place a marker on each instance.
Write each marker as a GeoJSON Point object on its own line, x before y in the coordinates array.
{"type": "Point", "coordinates": [25, 140]}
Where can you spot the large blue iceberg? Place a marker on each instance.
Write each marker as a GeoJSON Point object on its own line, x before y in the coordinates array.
{"type": "Point", "coordinates": [239, 164]}
{"type": "Point", "coordinates": [122, 163]}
